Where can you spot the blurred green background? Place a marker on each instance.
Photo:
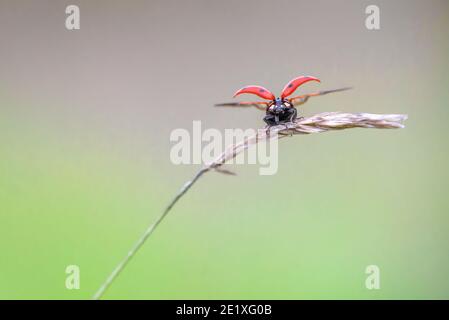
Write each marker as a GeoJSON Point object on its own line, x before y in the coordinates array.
{"type": "Point", "coordinates": [85, 119]}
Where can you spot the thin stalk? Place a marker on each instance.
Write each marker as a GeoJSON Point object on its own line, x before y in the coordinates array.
{"type": "Point", "coordinates": [115, 273]}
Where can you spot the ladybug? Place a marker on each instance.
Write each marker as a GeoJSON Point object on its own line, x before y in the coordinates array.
{"type": "Point", "coordinates": [279, 110]}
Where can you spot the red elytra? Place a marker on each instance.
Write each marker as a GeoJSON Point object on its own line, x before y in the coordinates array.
{"type": "Point", "coordinates": [257, 90]}
{"type": "Point", "coordinates": [289, 88]}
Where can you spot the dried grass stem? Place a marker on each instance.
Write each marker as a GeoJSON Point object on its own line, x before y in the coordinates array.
{"type": "Point", "coordinates": [318, 123]}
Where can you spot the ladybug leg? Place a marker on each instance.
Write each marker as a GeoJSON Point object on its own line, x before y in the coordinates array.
{"type": "Point", "coordinates": [270, 120]}
{"type": "Point", "coordinates": [293, 113]}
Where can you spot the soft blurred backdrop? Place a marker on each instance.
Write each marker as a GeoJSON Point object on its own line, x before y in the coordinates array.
{"type": "Point", "coordinates": [85, 119]}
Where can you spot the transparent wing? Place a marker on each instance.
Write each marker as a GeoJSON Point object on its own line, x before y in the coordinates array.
{"type": "Point", "coordinates": [257, 104]}
{"type": "Point", "coordinates": [299, 100]}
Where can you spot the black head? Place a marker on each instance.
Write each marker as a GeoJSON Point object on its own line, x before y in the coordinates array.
{"type": "Point", "coordinates": [279, 105]}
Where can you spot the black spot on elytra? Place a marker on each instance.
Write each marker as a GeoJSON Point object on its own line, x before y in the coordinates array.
{"type": "Point", "coordinates": [290, 85]}
{"type": "Point", "coordinates": [261, 90]}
